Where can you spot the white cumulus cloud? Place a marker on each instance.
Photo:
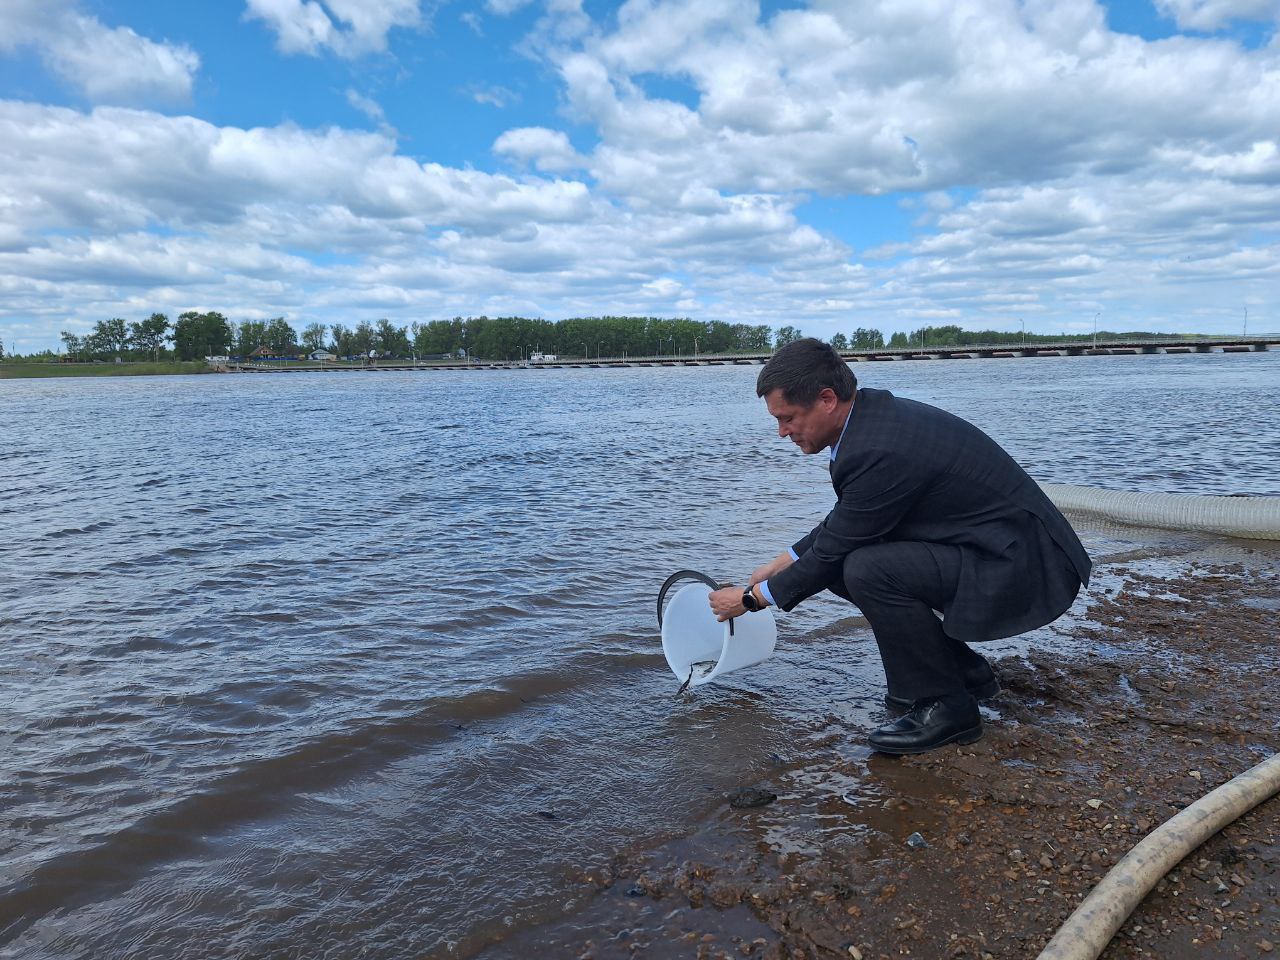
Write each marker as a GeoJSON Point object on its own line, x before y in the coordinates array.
{"type": "Point", "coordinates": [349, 28]}
{"type": "Point", "coordinates": [109, 64]}
{"type": "Point", "coordinates": [1215, 14]}
{"type": "Point", "coordinates": [548, 150]}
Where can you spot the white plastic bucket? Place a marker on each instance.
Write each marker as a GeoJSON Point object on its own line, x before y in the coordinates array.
{"type": "Point", "coordinates": [692, 635]}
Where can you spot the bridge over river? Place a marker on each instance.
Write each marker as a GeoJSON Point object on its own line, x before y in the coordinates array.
{"type": "Point", "coordinates": [1074, 348]}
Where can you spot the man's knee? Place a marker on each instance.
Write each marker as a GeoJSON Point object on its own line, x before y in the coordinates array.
{"type": "Point", "coordinates": [863, 577]}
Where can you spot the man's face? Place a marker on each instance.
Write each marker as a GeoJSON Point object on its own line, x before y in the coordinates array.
{"type": "Point", "coordinates": [811, 428]}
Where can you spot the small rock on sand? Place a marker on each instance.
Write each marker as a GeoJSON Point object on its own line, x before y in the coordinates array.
{"type": "Point", "coordinates": [751, 797]}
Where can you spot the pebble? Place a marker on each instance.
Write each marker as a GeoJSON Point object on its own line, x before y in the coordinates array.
{"type": "Point", "coordinates": [751, 797]}
{"type": "Point", "coordinates": [1094, 803]}
{"type": "Point", "coordinates": [917, 842]}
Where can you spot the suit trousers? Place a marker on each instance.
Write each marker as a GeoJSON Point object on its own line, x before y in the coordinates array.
{"type": "Point", "coordinates": [898, 585]}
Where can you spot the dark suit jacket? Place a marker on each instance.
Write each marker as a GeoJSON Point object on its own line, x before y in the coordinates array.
{"type": "Point", "coordinates": [909, 471]}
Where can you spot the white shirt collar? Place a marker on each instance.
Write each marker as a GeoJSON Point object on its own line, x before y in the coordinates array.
{"type": "Point", "coordinates": [835, 449]}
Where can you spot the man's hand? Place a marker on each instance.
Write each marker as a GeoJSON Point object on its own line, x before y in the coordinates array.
{"type": "Point", "coordinates": [771, 569]}
{"type": "Point", "coordinates": [727, 602]}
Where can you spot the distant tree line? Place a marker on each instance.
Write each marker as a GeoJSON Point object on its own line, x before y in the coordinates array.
{"type": "Point", "coordinates": [954, 336]}
{"type": "Point", "coordinates": [195, 335]}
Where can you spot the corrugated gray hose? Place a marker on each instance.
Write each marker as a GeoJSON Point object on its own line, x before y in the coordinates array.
{"type": "Point", "coordinates": [1088, 931]}
{"type": "Point", "coordinates": [1255, 518]}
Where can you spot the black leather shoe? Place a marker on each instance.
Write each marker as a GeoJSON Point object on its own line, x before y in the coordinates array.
{"type": "Point", "coordinates": [979, 682]}
{"type": "Point", "coordinates": [929, 724]}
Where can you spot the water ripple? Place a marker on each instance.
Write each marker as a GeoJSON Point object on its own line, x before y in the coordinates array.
{"type": "Point", "coordinates": [367, 660]}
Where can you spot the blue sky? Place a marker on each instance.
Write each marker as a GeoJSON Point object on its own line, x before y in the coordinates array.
{"type": "Point", "coordinates": [830, 165]}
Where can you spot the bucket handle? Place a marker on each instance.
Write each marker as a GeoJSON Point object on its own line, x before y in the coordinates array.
{"type": "Point", "coordinates": [686, 575]}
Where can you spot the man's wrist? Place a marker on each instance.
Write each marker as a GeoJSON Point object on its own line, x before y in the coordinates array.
{"type": "Point", "coordinates": [764, 593]}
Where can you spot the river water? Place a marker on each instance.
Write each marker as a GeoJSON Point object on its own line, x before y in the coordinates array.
{"type": "Point", "coordinates": [367, 664]}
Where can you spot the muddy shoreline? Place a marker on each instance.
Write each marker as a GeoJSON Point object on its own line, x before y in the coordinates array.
{"type": "Point", "coordinates": [983, 851]}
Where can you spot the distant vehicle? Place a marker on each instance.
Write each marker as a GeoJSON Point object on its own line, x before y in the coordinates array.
{"type": "Point", "coordinates": [217, 359]}
{"type": "Point", "coordinates": [542, 358]}
{"type": "Point", "coordinates": [322, 355]}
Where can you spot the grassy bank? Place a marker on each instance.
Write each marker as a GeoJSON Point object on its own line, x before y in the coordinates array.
{"type": "Point", "coordinates": [11, 371]}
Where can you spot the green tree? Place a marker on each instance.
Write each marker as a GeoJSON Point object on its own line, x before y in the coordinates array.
{"type": "Point", "coordinates": [313, 337]}
{"type": "Point", "coordinates": [787, 335]}
{"type": "Point", "coordinates": [72, 345]}
{"type": "Point", "coordinates": [364, 339]}
{"type": "Point", "coordinates": [864, 339]}
{"type": "Point", "coordinates": [280, 337]}
{"type": "Point", "coordinates": [439, 336]}
{"type": "Point", "coordinates": [899, 339]}
{"type": "Point", "coordinates": [840, 342]}
{"type": "Point", "coordinates": [340, 340]}
{"type": "Point", "coordinates": [197, 335]}
{"type": "Point", "coordinates": [250, 335]}
{"type": "Point", "coordinates": [109, 337]}
{"type": "Point", "coordinates": [148, 336]}
{"type": "Point", "coordinates": [392, 341]}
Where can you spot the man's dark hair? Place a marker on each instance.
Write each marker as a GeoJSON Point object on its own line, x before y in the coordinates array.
{"type": "Point", "coordinates": [802, 368]}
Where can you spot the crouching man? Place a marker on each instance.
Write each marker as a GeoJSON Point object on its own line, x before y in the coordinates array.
{"type": "Point", "coordinates": [932, 517]}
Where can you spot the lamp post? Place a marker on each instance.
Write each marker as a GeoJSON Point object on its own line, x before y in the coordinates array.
{"type": "Point", "coordinates": [1095, 329]}
{"type": "Point", "coordinates": [599, 344]}
{"type": "Point", "coordinates": [585, 355]}
{"type": "Point", "coordinates": [1024, 331]}
{"type": "Point", "coordinates": [1246, 321]}
{"type": "Point", "coordinates": [695, 348]}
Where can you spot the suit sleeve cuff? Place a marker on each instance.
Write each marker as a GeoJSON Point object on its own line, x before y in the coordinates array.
{"type": "Point", "coordinates": [764, 591]}
{"type": "Point", "coordinates": [794, 556]}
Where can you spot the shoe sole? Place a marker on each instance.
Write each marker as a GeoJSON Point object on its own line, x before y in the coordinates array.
{"type": "Point", "coordinates": [971, 735]}
{"type": "Point", "coordinates": [987, 691]}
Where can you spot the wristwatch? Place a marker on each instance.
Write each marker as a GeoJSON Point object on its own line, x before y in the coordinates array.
{"type": "Point", "coordinates": [749, 601]}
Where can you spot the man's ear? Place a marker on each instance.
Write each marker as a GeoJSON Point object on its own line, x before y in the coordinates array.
{"type": "Point", "coordinates": [828, 398]}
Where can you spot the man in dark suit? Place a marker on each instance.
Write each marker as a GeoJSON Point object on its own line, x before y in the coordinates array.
{"type": "Point", "coordinates": [932, 515]}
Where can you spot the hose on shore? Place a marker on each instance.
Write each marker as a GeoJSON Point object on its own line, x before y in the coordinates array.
{"type": "Point", "coordinates": [1088, 931]}
{"type": "Point", "coordinates": [1254, 518]}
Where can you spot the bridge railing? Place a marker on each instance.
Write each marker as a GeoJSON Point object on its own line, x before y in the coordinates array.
{"type": "Point", "coordinates": [1082, 343]}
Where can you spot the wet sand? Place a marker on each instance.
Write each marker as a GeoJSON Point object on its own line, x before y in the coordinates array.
{"type": "Point", "coordinates": [1171, 687]}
